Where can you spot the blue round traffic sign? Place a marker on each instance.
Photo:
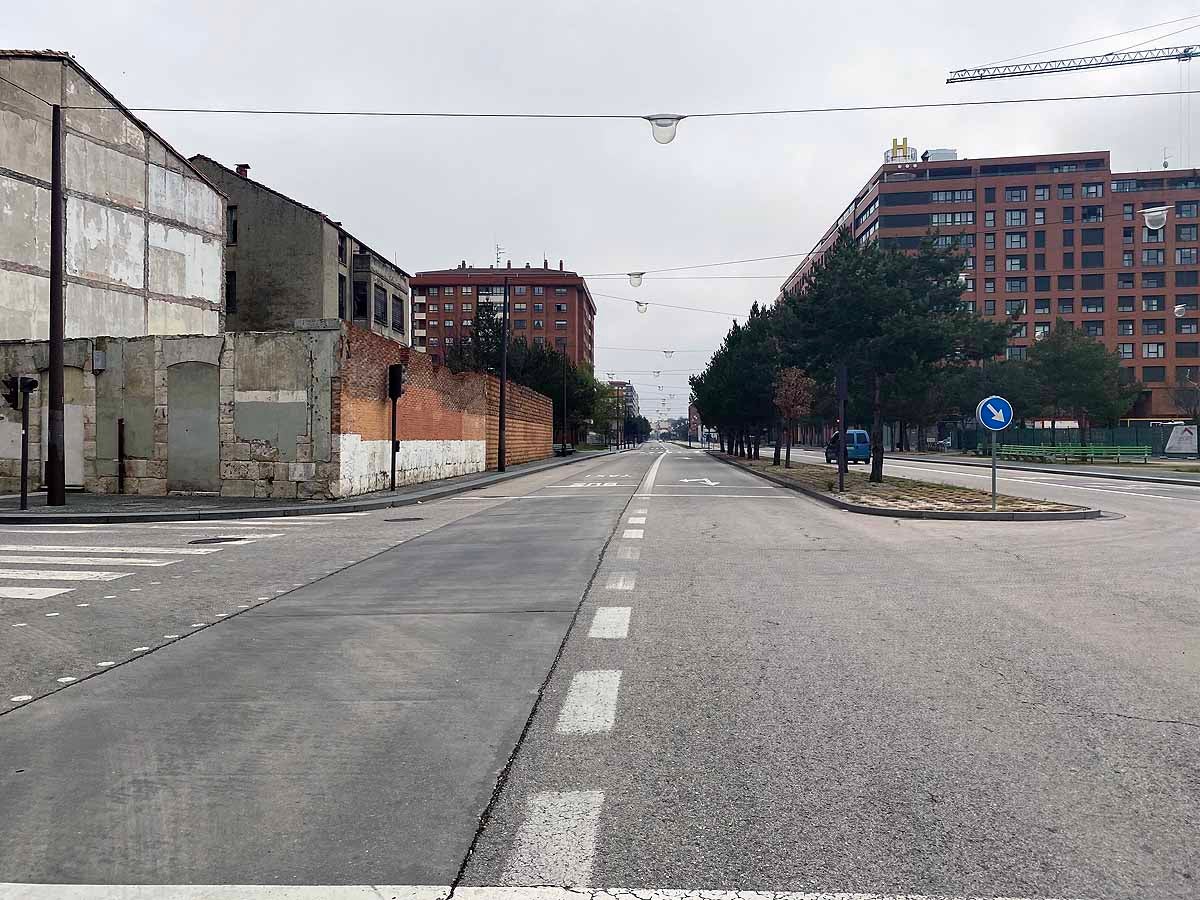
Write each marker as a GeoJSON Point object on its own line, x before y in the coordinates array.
{"type": "Point", "coordinates": [994, 413]}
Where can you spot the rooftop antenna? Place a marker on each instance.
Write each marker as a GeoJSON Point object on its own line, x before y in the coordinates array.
{"type": "Point", "coordinates": [499, 250]}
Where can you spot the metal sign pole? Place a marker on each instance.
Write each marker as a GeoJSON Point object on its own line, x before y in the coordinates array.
{"type": "Point", "coordinates": [993, 471]}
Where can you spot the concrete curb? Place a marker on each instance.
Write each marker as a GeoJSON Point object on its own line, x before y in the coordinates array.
{"type": "Point", "coordinates": [308, 509]}
{"type": "Point", "coordinates": [987, 516]}
{"type": "Point", "coordinates": [1113, 476]}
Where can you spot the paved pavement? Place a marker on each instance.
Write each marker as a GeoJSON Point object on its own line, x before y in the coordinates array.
{"type": "Point", "coordinates": [758, 693]}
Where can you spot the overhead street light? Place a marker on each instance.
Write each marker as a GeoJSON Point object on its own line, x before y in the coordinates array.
{"type": "Point", "coordinates": [642, 307]}
{"type": "Point", "coordinates": [662, 126]}
{"type": "Point", "coordinates": [635, 279]}
{"type": "Point", "coordinates": [1180, 310]}
{"type": "Point", "coordinates": [1155, 217]}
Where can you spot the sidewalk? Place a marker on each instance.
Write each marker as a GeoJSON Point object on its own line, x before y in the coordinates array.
{"type": "Point", "coordinates": [84, 507]}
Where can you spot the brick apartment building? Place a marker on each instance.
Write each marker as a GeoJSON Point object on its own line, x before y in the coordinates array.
{"type": "Point", "coordinates": [546, 306]}
{"type": "Point", "coordinates": [1053, 236]}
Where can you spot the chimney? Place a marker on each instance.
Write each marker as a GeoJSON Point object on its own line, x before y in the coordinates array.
{"type": "Point", "coordinates": [510, 263]}
{"type": "Point", "coordinates": [463, 264]}
{"type": "Point", "coordinates": [560, 268]}
{"type": "Point", "coordinates": [243, 170]}
{"type": "Point", "coordinates": [527, 265]}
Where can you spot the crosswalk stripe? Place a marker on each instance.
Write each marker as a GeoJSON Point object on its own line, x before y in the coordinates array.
{"type": "Point", "coordinates": [66, 548]}
{"type": "Point", "coordinates": [34, 575]}
{"type": "Point", "coordinates": [31, 593]}
{"type": "Point", "coordinates": [87, 560]}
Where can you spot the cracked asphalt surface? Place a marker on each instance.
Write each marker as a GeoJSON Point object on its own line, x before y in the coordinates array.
{"type": "Point", "coordinates": [778, 697]}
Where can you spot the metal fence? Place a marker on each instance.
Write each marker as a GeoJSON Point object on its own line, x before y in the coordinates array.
{"type": "Point", "coordinates": [1153, 436]}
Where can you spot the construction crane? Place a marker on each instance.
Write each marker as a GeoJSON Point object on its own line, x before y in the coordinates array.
{"type": "Point", "coordinates": [1102, 61]}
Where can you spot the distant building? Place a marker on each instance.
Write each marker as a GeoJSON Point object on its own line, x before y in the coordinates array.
{"type": "Point", "coordinates": [1052, 236]}
{"type": "Point", "coordinates": [144, 249]}
{"type": "Point", "coordinates": [286, 261]}
{"type": "Point", "coordinates": [628, 397]}
{"type": "Point", "coordinates": [546, 306]}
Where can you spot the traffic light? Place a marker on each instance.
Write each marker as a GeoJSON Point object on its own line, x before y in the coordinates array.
{"type": "Point", "coordinates": [12, 391]}
{"type": "Point", "coordinates": [395, 381]}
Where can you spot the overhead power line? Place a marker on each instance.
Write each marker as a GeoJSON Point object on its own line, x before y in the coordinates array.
{"type": "Point", "coordinates": [728, 262]}
{"type": "Point", "coordinates": [1095, 39]}
{"type": "Point", "coordinates": [715, 312]}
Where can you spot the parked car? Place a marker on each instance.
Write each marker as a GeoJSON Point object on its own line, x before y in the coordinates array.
{"type": "Point", "coordinates": [858, 446]}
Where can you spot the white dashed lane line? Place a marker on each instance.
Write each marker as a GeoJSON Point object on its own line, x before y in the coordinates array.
{"type": "Point", "coordinates": [610, 623]}
{"type": "Point", "coordinates": [42, 575]}
{"type": "Point", "coordinates": [31, 593]}
{"type": "Point", "coordinates": [628, 552]}
{"type": "Point", "coordinates": [633, 534]}
{"type": "Point", "coordinates": [556, 843]}
{"type": "Point", "coordinates": [620, 581]}
{"type": "Point", "coordinates": [86, 560]}
{"type": "Point", "coordinates": [591, 703]}
{"type": "Point", "coordinates": [132, 551]}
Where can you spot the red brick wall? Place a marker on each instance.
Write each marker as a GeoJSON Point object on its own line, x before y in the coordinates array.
{"type": "Point", "coordinates": [529, 425]}
{"type": "Point", "coordinates": [436, 405]}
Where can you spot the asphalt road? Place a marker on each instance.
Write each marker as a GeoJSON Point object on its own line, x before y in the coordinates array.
{"type": "Point", "coordinates": [756, 693]}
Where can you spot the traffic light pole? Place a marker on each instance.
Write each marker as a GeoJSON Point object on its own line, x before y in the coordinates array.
{"type": "Point", "coordinates": [503, 381]}
{"type": "Point", "coordinates": [56, 472]}
{"type": "Point", "coordinates": [25, 453]}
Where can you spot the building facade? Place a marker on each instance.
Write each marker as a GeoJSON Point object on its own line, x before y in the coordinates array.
{"type": "Point", "coordinates": [285, 261]}
{"type": "Point", "coordinates": [627, 396]}
{"type": "Point", "coordinates": [1049, 237]}
{"type": "Point", "coordinates": [144, 243]}
{"type": "Point", "coordinates": [547, 306]}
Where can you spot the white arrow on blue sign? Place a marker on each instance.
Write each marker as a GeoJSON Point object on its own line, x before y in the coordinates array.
{"type": "Point", "coordinates": [994, 413]}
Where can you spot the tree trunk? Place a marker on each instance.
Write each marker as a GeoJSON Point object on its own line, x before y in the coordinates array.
{"type": "Point", "coordinates": [898, 444]}
{"type": "Point", "coordinates": [920, 437]}
{"type": "Point", "coordinates": [787, 460]}
{"type": "Point", "coordinates": [877, 432]}
{"type": "Point", "coordinates": [779, 440]}
{"type": "Point", "coordinates": [757, 440]}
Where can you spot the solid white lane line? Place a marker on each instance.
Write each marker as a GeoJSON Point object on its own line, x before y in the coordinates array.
{"type": "Point", "coordinates": [615, 893]}
{"type": "Point", "coordinates": [610, 622]}
{"type": "Point", "coordinates": [220, 891]}
{"type": "Point", "coordinates": [86, 560]}
{"type": "Point", "coordinates": [67, 548]}
{"type": "Point", "coordinates": [629, 552]}
{"type": "Point", "coordinates": [1074, 487]}
{"type": "Point", "coordinates": [26, 531]}
{"type": "Point", "coordinates": [31, 593]}
{"type": "Point", "coordinates": [556, 843]}
{"type": "Point", "coordinates": [647, 483]}
{"type": "Point", "coordinates": [636, 520]}
{"type": "Point", "coordinates": [32, 575]}
{"type": "Point", "coordinates": [621, 581]}
{"type": "Point", "coordinates": [702, 496]}
{"type": "Point", "coordinates": [633, 534]}
{"type": "Point", "coordinates": [590, 706]}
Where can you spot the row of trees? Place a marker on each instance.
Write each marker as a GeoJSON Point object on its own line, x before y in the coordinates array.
{"type": "Point", "coordinates": [912, 352]}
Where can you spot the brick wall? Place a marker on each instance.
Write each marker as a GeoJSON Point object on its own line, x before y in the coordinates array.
{"type": "Point", "coordinates": [529, 425]}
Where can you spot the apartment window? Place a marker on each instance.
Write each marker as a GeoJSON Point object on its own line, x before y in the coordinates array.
{"type": "Point", "coordinates": [1016, 240]}
{"type": "Point", "coordinates": [467, 290]}
{"type": "Point", "coordinates": [1127, 212]}
{"type": "Point", "coordinates": [449, 342]}
{"type": "Point", "coordinates": [1154, 279]}
{"type": "Point", "coordinates": [1187, 301]}
{"type": "Point", "coordinates": [1125, 304]}
{"type": "Point", "coordinates": [1187, 350]}
{"type": "Point", "coordinates": [1016, 285]}
{"type": "Point", "coordinates": [360, 300]}
{"type": "Point", "coordinates": [968, 284]}
{"type": "Point", "coordinates": [1125, 351]}
{"type": "Point", "coordinates": [467, 307]}
{"type": "Point", "coordinates": [1041, 192]}
{"type": "Point", "coordinates": [468, 323]}
{"type": "Point", "coordinates": [397, 313]}
{"type": "Point", "coordinates": [448, 291]}
{"type": "Point", "coordinates": [519, 323]}
{"type": "Point", "coordinates": [560, 324]}
{"type": "Point", "coordinates": [1015, 307]}
{"type": "Point", "coordinates": [520, 307]}
{"type": "Point", "coordinates": [969, 262]}
{"type": "Point", "coordinates": [1154, 303]}
{"type": "Point", "coordinates": [1015, 352]}
{"type": "Point", "coordinates": [1154, 326]}
{"type": "Point", "coordinates": [341, 296]}
{"type": "Point", "coordinates": [967, 306]}
{"type": "Point", "coordinates": [1066, 306]}
{"type": "Point", "coordinates": [1041, 307]}
{"type": "Point", "coordinates": [1124, 279]}
{"type": "Point", "coordinates": [1066, 282]}
{"type": "Point", "coordinates": [1187, 326]}
{"type": "Point", "coordinates": [448, 323]}
{"type": "Point", "coordinates": [966, 196]}
{"type": "Point", "coordinates": [1039, 217]}
{"type": "Point", "coordinates": [1186, 232]}
{"type": "Point", "coordinates": [433, 342]}
{"type": "Point", "coordinates": [341, 247]}
{"type": "Point", "coordinates": [1068, 214]}
{"type": "Point", "coordinates": [989, 285]}
{"type": "Point", "coordinates": [989, 195]}
{"type": "Point", "coordinates": [1068, 237]}
{"type": "Point", "coordinates": [1186, 209]}
{"type": "Point", "coordinates": [432, 292]}
{"type": "Point", "coordinates": [1017, 262]}
{"type": "Point", "coordinates": [448, 307]}
{"type": "Point", "coordinates": [539, 340]}
{"type": "Point", "coordinates": [1093, 328]}
{"type": "Point", "coordinates": [1127, 236]}
{"type": "Point", "coordinates": [1187, 278]}
{"type": "Point", "coordinates": [1153, 257]}
{"type": "Point", "coordinates": [539, 323]}
{"type": "Point", "coordinates": [1127, 375]}
{"type": "Point", "coordinates": [1015, 217]}
{"type": "Point", "coordinates": [560, 343]}
{"type": "Point", "coordinates": [1152, 235]}
{"type": "Point", "coordinates": [231, 222]}
{"type": "Point", "coordinates": [989, 264]}
{"type": "Point", "coordinates": [1066, 192]}
{"type": "Point", "coordinates": [1127, 259]}
{"type": "Point", "coordinates": [560, 292]}
{"type": "Point", "coordinates": [230, 292]}
{"type": "Point", "coordinates": [560, 307]}
{"type": "Point", "coordinates": [1125, 327]}
{"type": "Point", "coordinates": [1019, 330]}
{"type": "Point", "coordinates": [539, 307]}
{"type": "Point", "coordinates": [1153, 374]}
{"type": "Point", "coordinates": [1092, 236]}
{"type": "Point", "coordinates": [1093, 304]}
{"type": "Point", "coordinates": [1039, 239]}
{"type": "Point", "coordinates": [1039, 265]}
{"type": "Point", "coordinates": [989, 307]}
{"type": "Point", "coordinates": [1068, 260]}
{"type": "Point", "coordinates": [433, 307]}
{"type": "Point", "coordinates": [1093, 214]}
{"type": "Point", "coordinates": [539, 291]}
{"type": "Point", "coordinates": [1093, 189]}
{"type": "Point", "coordinates": [1092, 259]}
{"type": "Point", "coordinates": [520, 290]}
{"type": "Point", "coordinates": [1154, 351]}
{"type": "Point", "coordinates": [381, 305]}
{"type": "Point", "coordinates": [1041, 330]}
{"type": "Point", "coordinates": [1016, 194]}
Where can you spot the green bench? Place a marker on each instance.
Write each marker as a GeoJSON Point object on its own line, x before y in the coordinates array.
{"type": "Point", "coordinates": [1068, 453]}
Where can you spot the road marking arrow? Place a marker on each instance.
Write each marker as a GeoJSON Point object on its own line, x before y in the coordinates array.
{"type": "Point", "coordinates": [707, 481]}
{"type": "Point", "coordinates": [997, 414]}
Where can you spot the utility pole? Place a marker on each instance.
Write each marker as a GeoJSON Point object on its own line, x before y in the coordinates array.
{"type": "Point", "coordinates": [843, 389]}
{"type": "Point", "coordinates": [503, 374]}
{"type": "Point", "coordinates": [56, 472]}
{"type": "Point", "coordinates": [564, 405]}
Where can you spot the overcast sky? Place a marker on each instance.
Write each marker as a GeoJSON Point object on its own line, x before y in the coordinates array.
{"type": "Point", "coordinates": [601, 195]}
